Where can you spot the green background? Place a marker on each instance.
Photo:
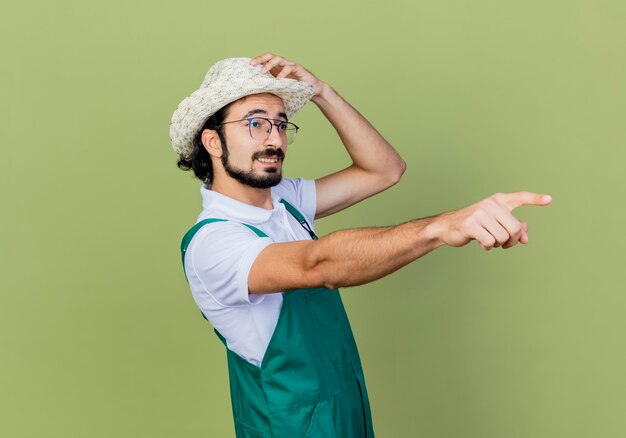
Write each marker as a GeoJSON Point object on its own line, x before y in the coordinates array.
{"type": "Point", "coordinates": [99, 334]}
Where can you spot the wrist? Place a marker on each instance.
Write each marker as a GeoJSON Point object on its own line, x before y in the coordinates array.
{"type": "Point", "coordinates": [322, 92]}
{"type": "Point", "coordinates": [434, 230]}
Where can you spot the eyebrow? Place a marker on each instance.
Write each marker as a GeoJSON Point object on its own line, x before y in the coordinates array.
{"type": "Point", "coordinates": [262, 111]}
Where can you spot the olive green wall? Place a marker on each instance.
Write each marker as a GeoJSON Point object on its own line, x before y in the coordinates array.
{"type": "Point", "coordinates": [99, 335]}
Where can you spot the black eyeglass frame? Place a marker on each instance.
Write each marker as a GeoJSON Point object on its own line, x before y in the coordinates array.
{"type": "Point", "coordinates": [290, 126]}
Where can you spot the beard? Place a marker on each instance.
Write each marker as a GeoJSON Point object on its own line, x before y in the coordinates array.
{"type": "Point", "coordinates": [272, 176]}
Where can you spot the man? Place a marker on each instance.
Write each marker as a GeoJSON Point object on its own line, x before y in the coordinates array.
{"type": "Point", "coordinates": [257, 270]}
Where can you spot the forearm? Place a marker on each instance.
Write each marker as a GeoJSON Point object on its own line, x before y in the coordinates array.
{"type": "Point", "coordinates": [357, 256]}
{"type": "Point", "coordinates": [368, 149]}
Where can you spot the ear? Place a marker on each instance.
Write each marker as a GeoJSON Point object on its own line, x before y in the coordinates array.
{"type": "Point", "coordinates": [212, 143]}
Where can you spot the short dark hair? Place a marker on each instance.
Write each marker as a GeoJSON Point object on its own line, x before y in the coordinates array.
{"type": "Point", "coordinates": [200, 160]}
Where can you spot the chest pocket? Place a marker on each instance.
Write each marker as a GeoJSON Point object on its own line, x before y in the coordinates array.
{"type": "Point", "coordinates": [324, 318]}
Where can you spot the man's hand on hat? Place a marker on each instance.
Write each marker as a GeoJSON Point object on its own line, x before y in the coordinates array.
{"type": "Point", "coordinates": [489, 221]}
{"type": "Point", "coordinates": [284, 68]}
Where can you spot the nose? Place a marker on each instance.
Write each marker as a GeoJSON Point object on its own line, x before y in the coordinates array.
{"type": "Point", "coordinates": [274, 138]}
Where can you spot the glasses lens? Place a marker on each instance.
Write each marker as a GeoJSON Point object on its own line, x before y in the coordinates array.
{"type": "Point", "coordinates": [260, 128]}
{"type": "Point", "coordinates": [290, 131]}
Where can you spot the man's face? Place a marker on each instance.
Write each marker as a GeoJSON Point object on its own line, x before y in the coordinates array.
{"type": "Point", "coordinates": [254, 162]}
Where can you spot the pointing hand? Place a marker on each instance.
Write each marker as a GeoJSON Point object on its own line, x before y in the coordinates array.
{"type": "Point", "coordinates": [489, 221]}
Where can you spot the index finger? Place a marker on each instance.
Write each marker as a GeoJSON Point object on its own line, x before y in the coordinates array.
{"type": "Point", "coordinates": [517, 199]}
{"type": "Point", "coordinates": [261, 59]}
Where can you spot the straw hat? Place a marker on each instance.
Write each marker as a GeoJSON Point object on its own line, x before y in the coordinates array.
{"type": "Point", "coordinates": [226, 81]}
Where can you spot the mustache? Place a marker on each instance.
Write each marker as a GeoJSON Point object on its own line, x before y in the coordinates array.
{"type": "Point", "coordinates": [268, 153]}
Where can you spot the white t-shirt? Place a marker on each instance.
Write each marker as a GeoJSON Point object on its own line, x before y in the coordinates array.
{"type": "Point", "coordinates": [219, 257]}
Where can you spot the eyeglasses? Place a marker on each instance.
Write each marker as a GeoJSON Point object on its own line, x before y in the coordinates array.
{"type": "Point", "coordinates": [260, 128]}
